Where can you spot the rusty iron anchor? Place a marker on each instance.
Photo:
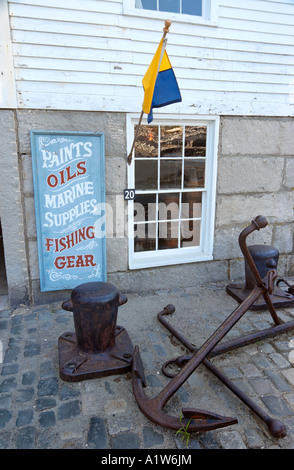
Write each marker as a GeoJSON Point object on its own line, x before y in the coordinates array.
{"type": "Point", "coordinates": [275, 426]}
{"type": "Point", "coordinates": [201, 420]}
{"type": "Point", "coordinates": [195, 419]}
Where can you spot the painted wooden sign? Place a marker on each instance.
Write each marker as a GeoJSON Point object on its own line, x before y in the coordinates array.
{"type": "Point", "coordinates": [69, 186]}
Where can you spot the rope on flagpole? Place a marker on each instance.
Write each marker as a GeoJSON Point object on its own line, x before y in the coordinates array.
{"type": "Point", "coordinates": [167, 24]}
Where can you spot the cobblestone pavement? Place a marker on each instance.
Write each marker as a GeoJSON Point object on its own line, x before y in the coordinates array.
{"type": "Point", "coordinates": [38, 410]}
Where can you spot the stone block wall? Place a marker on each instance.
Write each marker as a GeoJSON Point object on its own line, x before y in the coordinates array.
{"type": "Point", "coordinates": [255, 176]}
{"type": "Point", "coordinates": [11, 212]}
{"type": "Point", "coordinates": [113, 127]}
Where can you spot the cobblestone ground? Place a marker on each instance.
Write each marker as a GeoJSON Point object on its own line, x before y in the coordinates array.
{"type": "Point", "coordinates": [38, 410]}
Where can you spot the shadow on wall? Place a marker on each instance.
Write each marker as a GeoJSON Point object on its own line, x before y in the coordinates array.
{"type": "Point", "coordinates": [3, 279]}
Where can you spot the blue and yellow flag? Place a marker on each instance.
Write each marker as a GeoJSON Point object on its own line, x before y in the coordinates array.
{"type": "Point", "coordinates": [159, 83]}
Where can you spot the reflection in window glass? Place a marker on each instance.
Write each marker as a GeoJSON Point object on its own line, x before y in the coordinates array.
{"type": "Point", "coordinates": [192, 7]}
{"type": "Point", "coordinates": [190, 233]}
{"type": "Point", "coordinates": [146, 4]}
{"type": "Point", "coordinates": [168, 206]}
{"type": "Point", "coordinates": [146, 142]}
{"type": "Point", "coordinates": [194, 173]}
{"type": "Point", "coordinates": [187, 7]}
{"type": "Point", "coordinates": [171, 141]}
{"type": "Point", "coordinates": [191, 205]}
{"type": "Point", "coordinates": [144, 237]}
{"type": "Point", "coordinates": [170, 174]}
{"type": "Point", "coordinates": [146, 174]}
{"type": "Point", "coordinates": [195, 141]}
{"type": "Point", "coordinates": [145, 207]}
{"type": "Point", "coordinates": [168, 235]}
{"type": "Point", "coordinates": [169, 5]}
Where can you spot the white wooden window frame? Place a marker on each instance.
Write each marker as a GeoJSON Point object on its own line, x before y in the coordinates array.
{"type": "Point", "coordinates": [209, 13]}
{"type": "Point", "coordinates": [204, 252]}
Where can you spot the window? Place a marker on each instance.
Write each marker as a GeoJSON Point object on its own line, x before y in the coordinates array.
{"type": "Point", "coordinates": [173, 171]}
{"type": "Point", "coordinates": [189, 7]}
{"type": "Point", "coordinates": [189, 11]}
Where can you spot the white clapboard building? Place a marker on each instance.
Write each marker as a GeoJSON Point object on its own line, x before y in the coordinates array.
{"type": "Point", "coordinates": [220, 157]}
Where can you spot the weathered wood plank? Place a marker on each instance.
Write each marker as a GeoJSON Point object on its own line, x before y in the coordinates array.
{"type": "Point", "coordinates": [98, 56]}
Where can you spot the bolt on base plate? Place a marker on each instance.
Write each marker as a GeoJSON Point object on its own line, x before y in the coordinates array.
{"type": "Point", "coordinates": [76, 365]}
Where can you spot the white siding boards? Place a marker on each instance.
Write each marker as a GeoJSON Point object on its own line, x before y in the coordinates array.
{"type": "Point", "coordinates": [7, 82]}
{"type": "Point", "coordinates": [89, 55]}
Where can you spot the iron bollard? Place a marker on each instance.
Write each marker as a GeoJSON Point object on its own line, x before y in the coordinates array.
{"type": "Point", "coordinates": [265, 258]}
{"type": "Point", "coordinates": [99, 347]}
{"type": "Point", "coordinates": [262, 258]}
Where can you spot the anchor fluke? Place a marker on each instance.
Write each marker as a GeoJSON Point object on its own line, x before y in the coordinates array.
{"type": "Point", "coordinates": [193, 419]}
{"type": "Point", "coordinates": [202, 416]}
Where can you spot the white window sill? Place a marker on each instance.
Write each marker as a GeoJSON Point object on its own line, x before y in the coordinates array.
{"type": "Point", "coordinates": [147, 260]}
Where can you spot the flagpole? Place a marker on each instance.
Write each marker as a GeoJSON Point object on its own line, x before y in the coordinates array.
{"type": "Point", "coordinates": [167, 24]}
{"type": "Point", "coordinates": [135, 138]}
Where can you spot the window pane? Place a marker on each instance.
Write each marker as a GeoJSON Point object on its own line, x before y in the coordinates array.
{"type": "Point", "coordinates": [147, 142]}
{"type": "Point", "coordinates": [146, 174]}
{"type": "Point", "coordinates": [145, 207]}
{"type": "Point", "coordinates": [190, 233]}
{"type": "Point", "coordinates": [194, 173]}
{"type": "Point", "coordinates": [168, 206]}
{"type": "Point", "coordinates": [191, 205]}
{"type": "Point", "coordinates": [170, 174]}
{"type": "Point", "coordinates": [168, 235]}
{"type": "Point", "coordinates": [169, 5]}
{"type": "Point", "coordinates": [195, 141]}
{"type": "Point", "coordinates": [144, 237]}
{"type": "Point", "coordinates": [171, 141]}
{"type": "Point", "coordinates": [192, 7]}
{"type": "Point", "coordinates": [146, 4]}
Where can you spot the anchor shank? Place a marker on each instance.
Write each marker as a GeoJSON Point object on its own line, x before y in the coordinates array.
{"type": "Point", "coordinates": [271, 308]}
{"type": "Point", "coordinates": [257, 224]}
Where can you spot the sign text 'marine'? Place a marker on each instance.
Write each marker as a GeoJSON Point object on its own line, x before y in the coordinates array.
{"type": "Point", "coordinates": [69, 186]}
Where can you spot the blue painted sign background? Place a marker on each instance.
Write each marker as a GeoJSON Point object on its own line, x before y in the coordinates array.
{"type": "Point", "coordinates": [69, 186]}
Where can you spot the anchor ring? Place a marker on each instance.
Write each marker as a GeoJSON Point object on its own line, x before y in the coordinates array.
{"type": "Point", "coordinates": [178, 361]}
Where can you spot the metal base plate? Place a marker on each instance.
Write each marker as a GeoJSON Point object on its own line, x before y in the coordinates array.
{"type": "Point", "coordinates": [76, 365]}
{"type": "Point", "coordinates": [279, 297]}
